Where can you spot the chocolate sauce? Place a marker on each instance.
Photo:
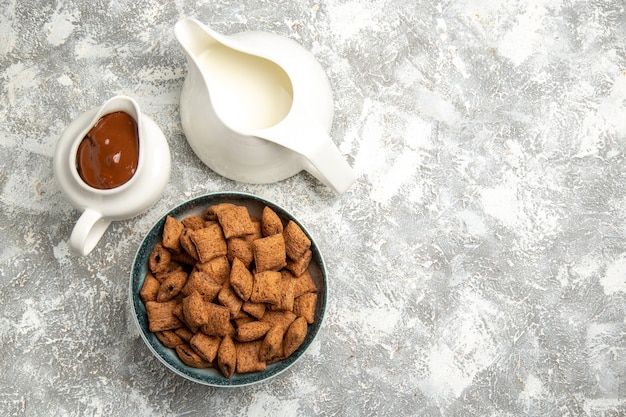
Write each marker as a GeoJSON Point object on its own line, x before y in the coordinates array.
{"type": "Point", "coordinates": [108, 155]}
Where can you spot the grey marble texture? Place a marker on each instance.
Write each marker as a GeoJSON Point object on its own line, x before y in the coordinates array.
{"type": "Point", "coordinates": [477, 266]}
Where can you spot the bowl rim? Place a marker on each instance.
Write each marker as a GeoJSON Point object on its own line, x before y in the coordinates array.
{"type": "Point", "coordinates": [167, 356]}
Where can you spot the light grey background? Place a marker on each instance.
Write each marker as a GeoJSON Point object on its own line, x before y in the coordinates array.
{"type": "Point", "coordinates": [477, 267]}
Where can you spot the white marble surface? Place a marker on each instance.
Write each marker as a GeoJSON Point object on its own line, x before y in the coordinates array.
{"type": "Point", "coordinates": [478, 265]}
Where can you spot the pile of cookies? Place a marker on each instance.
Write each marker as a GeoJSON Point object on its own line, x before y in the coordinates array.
{"type": "Point", "coordinates": [230, 291]}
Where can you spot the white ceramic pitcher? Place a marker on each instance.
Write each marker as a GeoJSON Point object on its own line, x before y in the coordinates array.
{"type": "Point", "coordinates": [257, 107]}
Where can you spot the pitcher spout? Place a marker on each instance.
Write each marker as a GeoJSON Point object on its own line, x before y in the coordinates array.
{"type": "Point", "coordinates": [193, 36]}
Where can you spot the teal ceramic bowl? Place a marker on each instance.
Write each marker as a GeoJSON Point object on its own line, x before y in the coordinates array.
{"type": "Point", "coordinates": [167, 356]}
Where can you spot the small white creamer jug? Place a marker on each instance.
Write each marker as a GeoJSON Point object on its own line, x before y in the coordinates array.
{"type": "Point", "coordinates": [257, 107]}
{"type": "Point", "coordinates": [102, 202]}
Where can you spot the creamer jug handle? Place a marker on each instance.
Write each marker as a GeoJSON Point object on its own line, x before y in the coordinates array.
{"type": "Point", "coordinates": [87, 231]}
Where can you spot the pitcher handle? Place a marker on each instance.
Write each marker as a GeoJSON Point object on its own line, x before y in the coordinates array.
{"type": "Point", "coordinates": [301, 133]}
{"type": "Point", "coordinates": [328, 165]}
